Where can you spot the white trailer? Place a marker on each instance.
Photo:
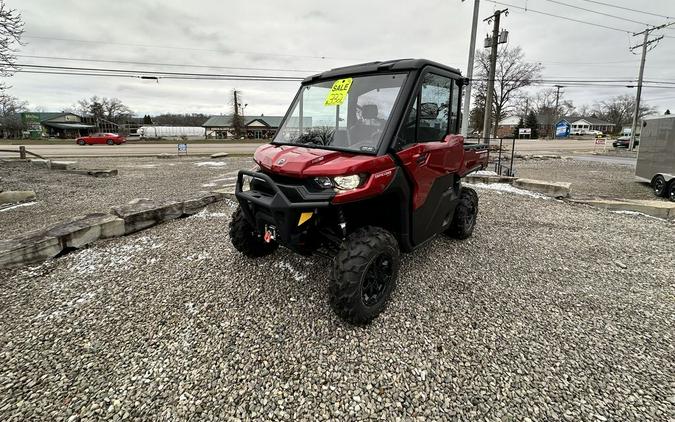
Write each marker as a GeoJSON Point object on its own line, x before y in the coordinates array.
{"type": "Point", "coordinates": [172, 132]}
{"type": "Point", "coordinates": [656, 155]}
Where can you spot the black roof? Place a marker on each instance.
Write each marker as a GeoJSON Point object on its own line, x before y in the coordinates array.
{"type": "Point", "coordinates": [372, 67]}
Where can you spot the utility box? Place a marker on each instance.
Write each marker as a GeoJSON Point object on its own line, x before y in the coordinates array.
{"type": "Point", "coordinates": [656, 153]}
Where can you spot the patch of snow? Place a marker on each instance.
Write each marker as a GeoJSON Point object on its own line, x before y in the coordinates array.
{"type": "Point", "coordinates": [211, 163]}
{"type": "Point", "coordinates": [208, 214]}
{"type": "Point", "coordinates": [209, 185]}
{"type": "Point", "coordinates": [26, 204]}
{"type": "Point", "coordinates": [484, 173]}
{"type": "Point", "coordinates": [625, 212]}
{"type": "Point", "coordinates": [113, 258]}
{"type": "Point", "coordinates": [198, 256]}
{"type": "Point", "coordinates": [297, 275]}
{"type": "Point", "coordinates": [506, 188]}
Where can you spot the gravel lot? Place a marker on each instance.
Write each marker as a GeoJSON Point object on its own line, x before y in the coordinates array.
{"type": "Point", "coordinates": [63, 195]}
{"type": "Point", "coordinates": [532, 317]}
{"type": "Point", "coordinates": [589, 179]}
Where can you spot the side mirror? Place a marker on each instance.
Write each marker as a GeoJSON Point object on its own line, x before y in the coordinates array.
{"type": "Point", "coordinates": [429, 111]}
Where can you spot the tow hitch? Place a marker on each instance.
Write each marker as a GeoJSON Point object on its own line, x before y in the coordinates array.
{"type": "Point", "coordinates": [270, 233]}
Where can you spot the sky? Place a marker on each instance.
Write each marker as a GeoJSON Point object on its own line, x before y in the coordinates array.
{"type": "Point", "coordinates": [302, 37]}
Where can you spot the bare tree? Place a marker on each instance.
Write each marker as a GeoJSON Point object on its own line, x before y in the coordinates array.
{"type": "Point", "coordinates": [111, 109]}
{"type": "Point", "coordinates": [619, 110]}
{"type": "Point", "coordinates": [10, 115]}
{"type": "Point", "coordinates": [238, 121]}
{"type": "Point", "coordinates": [544, 105]}
{"type": "Point", "coordinates": [11, 30]}
{"type": "Point", "coordinates": [512, 74]}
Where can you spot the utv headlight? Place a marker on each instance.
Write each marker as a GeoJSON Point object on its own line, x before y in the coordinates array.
{"type": "Point", "coordinates": [347, 182]}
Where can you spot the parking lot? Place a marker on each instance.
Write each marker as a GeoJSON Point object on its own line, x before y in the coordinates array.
{"type": "Point", "coordinates": [550, 311]}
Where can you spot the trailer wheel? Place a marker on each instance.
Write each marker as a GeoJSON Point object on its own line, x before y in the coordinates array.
{"type": "Point", "coordinates": [464, 220]}
{"type": "Point", "coordinates": [364, 274]}
{"type": "Point", "coordinates": [671, 191]}
{"type": "Point", "coordinates": [245, 239]}
{"type": "Point", "coordinates": [659, 185]}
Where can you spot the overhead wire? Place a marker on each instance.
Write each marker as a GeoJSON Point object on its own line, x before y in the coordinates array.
{"type": "Point", "coordinates": [629, 9]}
{"type": "Point", "coordinates": [597, 12]}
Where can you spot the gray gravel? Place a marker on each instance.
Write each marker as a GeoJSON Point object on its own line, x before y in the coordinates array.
{"type": "Point", "coordinates": [589, 179]}
{"type": "Point", "coordinates": [63, 195]}
{"type": "Point", "coordinates": [532, 317]}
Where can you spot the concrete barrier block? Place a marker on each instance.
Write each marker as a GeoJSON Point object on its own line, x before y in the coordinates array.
{"type": "Point", "coordinates": [554, 189]}
{"type": "Point", "coordinates": [82, 231]}
{"type": "Point", "coordinates": [41, 163]}
{"type": "Point", "coordinates": [28, 249]}
{"type": "Point", "coordinates": [95, 172]}
{"type": "Point", "coordinates": [142, 213]}
{"type": "Point", "coordinates": [198, 202]}
{"type": "Point", "coordinates": [63, 165]}
{"type": "Point", "coordinates": [13, 197]}
{"type": "Point", "coordinates": [224, 193]}
{"type": "Point", "coordinates": [660, 209]}
{"type": "Point", "coordinates": [219, 155]}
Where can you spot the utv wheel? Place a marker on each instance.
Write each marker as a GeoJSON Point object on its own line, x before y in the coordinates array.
{"type": "Point", "coordinates": [364, 274]}
{"type": "Point", "coordinates": [464, 220]}
{"type": "Point", "coordinates": [659, 185]}
{"type": "Point", "coordinates": [245, 239]}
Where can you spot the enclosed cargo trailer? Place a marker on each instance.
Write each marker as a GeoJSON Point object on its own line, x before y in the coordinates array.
{"type": "Point", "coordinates": [656, 155]}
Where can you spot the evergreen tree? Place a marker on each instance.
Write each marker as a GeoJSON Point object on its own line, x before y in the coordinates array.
{"type": "Point", "coordinates": [667, 112]}
{"type": "Point", "coordinates": [147, 120]}
{"type": "Point", "coordinates": [532, 123]}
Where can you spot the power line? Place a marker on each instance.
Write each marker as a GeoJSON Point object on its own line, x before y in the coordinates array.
{"type": "Point", "coordinates": [527, 9]}
{"type": "Point", "coordinates": [156, 73]}
{"type": "Point", "coordinates": [121, 75]}
{"type": "Point", "coordinates": [629, 9]}
{"type": "Point", "coordinates": [221, 51]}
{"type": "Point", "coordinates": [597, 12]}
{"type": "Point", "coordinates": [164, 64]}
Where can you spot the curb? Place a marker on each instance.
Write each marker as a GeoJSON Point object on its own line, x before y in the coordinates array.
{"type": "Point", "coordinates": [41, 245]}
{"type": "Point", "coordinates": [552, 189]}
{"type": "Point", "coordinates": [658, 209]}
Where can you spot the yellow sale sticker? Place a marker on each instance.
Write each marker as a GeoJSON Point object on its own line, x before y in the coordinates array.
{"type": "Point", "coordinates": [338, 92]}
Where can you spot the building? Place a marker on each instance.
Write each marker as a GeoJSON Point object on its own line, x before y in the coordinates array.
{"type": "Point", "coordinates": [63, 125]}
{"type": "Point", "coordinates": [256, 127]}
{"type": "Point", "coordinates": [55, 125]}
{"type": "Point", "coordinates": [580, 125]}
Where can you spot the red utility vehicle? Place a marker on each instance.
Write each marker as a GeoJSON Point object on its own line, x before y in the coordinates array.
{"type": "Point", "coordinates": [366, 163]}
{"type": "Point", "coordinates": [101, 138]}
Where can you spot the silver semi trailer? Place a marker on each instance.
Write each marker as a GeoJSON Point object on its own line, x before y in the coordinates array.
{"type": "Point", "coordinates": [656, 155]}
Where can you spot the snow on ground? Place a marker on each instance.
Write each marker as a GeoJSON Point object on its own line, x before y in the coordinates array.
{"type": "Point", "coordinates": [17, 206]}
{"type": "Point", "coordinates": [484, 173]}
{"type": "Point", "coordinates": [635, 213]}
{"type": "Point", "coordinates": [113, 257]}
{"type": "Point", "coordinates": [211, 163]}
{"type": "Point", "coordinates": [208, 214]}
{"type": "Point", "coordinates": [506, 188]}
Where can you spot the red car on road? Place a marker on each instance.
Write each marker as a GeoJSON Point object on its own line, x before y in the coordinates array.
{"type": "Point", "coordinates": [101, 138]}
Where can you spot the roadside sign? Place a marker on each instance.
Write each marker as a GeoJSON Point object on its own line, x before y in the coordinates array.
{"type": "Point", "coordinates": [562, 129]}
{"type": "Point", "coordinates": [525, 131]}
{"type": "Point", "coordinates": [600, 142]}
{"type": "Point", "coordinates": [182, 149]}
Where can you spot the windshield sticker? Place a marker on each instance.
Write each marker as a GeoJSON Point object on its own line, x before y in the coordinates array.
{"type": "Point", "coordinates": [337, 94]}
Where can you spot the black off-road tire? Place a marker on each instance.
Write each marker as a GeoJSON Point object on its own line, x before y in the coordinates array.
{"type": "Point", "coordinates": [246, 240]}
{"type": "Point", "coordinates": [364, 274]}
{"type": "Point", "coordinates": [659, 185]}
{"type": "Point", "coordinates": [670, 192]}
{"type": "Point", "coordinates": [464, 219]}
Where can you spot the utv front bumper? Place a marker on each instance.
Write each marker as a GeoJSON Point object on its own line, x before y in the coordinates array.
{"type": "Point", "coordinates": [277, 207]}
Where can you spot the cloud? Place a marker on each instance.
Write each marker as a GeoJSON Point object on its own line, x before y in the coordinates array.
{"type": "Point", "coordinates": [306, 35]}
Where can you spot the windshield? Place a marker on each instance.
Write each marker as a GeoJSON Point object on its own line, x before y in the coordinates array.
{"type": "Point", "coordinates": [348, 113]}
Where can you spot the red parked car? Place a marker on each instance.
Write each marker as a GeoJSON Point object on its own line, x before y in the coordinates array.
{"type": "Point", "coordinates": [101, 138]}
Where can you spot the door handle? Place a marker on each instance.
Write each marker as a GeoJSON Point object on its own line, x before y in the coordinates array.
{"type": "Point", "coordinates": [421, 158]}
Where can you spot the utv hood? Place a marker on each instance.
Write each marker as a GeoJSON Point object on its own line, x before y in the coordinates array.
{"type": "Point", "coordinates": [297, 161]}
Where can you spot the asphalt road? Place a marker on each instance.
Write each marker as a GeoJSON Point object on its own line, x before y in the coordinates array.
{"type": "Point", "coordinates": [567, 147]}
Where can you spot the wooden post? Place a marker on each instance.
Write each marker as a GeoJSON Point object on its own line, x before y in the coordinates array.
{"type": "Point", "coordinates": [22, 152]}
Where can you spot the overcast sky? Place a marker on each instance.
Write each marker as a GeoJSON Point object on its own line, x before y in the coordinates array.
{"type": "Point", "coordinates": [305, 36]}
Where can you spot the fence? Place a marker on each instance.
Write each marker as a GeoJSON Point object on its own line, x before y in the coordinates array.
{"type": "Point", "coordinates": [22, 151]}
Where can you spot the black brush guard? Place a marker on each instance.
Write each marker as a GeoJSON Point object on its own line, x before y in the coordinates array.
{"type": "Point", "coordinates": [268, 205]}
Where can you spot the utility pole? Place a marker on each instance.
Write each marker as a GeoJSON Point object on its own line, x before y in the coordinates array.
{"type": "Point", "coordinates": [555, 111]}
{"type": "Point", "coordinates": [491, 77]}
{"type": "Point", "coordinates": [645, 43]}
{"type": "Point", "coordinates": [469, 70]}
